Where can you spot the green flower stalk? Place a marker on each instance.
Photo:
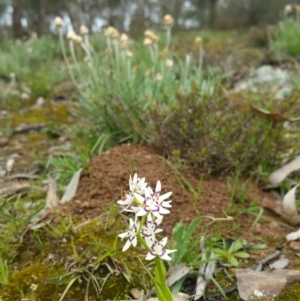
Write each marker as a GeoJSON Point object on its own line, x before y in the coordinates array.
{"type": "Point", "coordinates": [58, 22]}
{"type": "Point", "coordinates": [198, 41]}
{"type": "Point", "coordinates": [168, 23]}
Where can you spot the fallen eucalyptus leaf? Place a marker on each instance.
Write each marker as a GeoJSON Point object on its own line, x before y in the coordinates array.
{"type": "Point", "coordinates": [15, 187]}
{"type": "Point", "coordinates": [281, 173]}
{"type": "Point", "coordinates": [176, 273]}
{"type": "Point", "coordinates": [289, 202]}
{"type": "Point", "coordinates": [274, 117]}
{"type": "Point", "coordinates": [72, 187]}
{"type": "Point", "coordinates": [25, 128]}
{"type": "Point", "coordinates": [51, 202]}
{"type": "Point", "coordinates": [205, 271]}
{"type": "Point", "coordinates": [280, 263]}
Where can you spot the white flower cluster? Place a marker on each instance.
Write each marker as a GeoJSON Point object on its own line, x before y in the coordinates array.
{"type": "Point", "coordinates": [149, 207]}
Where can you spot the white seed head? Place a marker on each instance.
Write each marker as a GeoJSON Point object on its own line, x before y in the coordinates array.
{"type": "Point", "coordinates": [169, 63]}
{"type": "Point", "coordinates": [168, 20]}
{"type": "Point", "coordinates": [288, 8]}
{"type": "Point", "coordinates": [77, 39]}
{"type": "Point", "coordinates": [124, 37]}
{"type": "Point", "coordinates": [58, 22]}
{"type": "Point", "coordinates": [71, 34]}
{"type": "Point", "coordinates": [83, 30]}
{"type": "Point", "coordinates": [147, 42]}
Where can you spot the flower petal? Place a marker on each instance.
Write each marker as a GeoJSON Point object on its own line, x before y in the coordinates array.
{"type": "Point", "coordinates": [158, 186]}
{"type": "Point", "coordinates": [165, 257]}
{"type": "Point", "coordinates": [123, 235]}
{"type": "Point", "coordinates": [165, 196]}
{"type": "Point", "coordinates": [164, 241]}
{"type": "Point", "coordinates": [126, 246]}
{"type": "Point", "coordinates": [149, 256]}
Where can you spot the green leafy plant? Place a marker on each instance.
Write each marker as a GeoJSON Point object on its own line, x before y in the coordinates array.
{"type": "Point", "coordinates": [230, 251]}
{"type": "Point", "coordinates": [4, 272]}
{"type": "Point", "coordinates": [185, 243]}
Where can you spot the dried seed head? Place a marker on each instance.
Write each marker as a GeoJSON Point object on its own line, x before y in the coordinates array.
{"type": "Point", "coordinates": [147, 41]}
{"type": "Point", "coordinates": [58, 22]}
{"type": "Point", "coordinates": [124, 37]}
{"type": "Point", "coordinates": [124, 40]}
{"type": "Point", "coordinates": [83, 30]}
{"type": "Point", "coordinates": [198, 40]}
{"type": "Point", "coordinates": [111, 32]}
{"type": "Point", "coordinates": [168, 20]}
{"type": "Point", "coordinates": [288, 8]}
{"type": "Point", "coordinates": [169, 63]}
{"type": "Point", "coordinates": [151, 35]}
{"type": "Point", "coordinates": [77, 39]}
{"type": "Point", "coordinates": [71, 34]}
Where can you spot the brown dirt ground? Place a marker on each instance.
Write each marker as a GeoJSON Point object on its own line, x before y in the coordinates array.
{"type": "Point", "coordinates": [106, 178]}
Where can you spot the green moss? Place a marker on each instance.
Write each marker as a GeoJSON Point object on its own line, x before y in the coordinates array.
{"type": "Point", "coordinates": [28, 283]}
{"type": "Point", "coordinates": [53, 113]}
{"type": "Point", "coordinates": [91, 254]}
{"type": "Point", "coordinates": [290, 293]}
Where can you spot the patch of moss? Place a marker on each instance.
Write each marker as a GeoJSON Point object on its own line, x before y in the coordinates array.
{"type": "Point", "coordinates": [90, 255]}
{"type": "Point", "coordinates": [290, 293]}
{"type": "Point", "coordinates": [28, 283]}
{"type": "Point", "coordinates": [54, 113]}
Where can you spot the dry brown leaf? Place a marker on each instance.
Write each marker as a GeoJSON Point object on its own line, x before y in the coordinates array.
{"type": "Point", "coordinates": [274, 117]}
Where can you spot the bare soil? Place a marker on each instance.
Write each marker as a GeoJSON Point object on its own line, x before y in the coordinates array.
{"type": "Point", "coordinates": [107, 176]}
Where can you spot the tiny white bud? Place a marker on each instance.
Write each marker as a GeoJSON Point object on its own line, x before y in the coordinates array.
{"type": "Point", "coordinates": [71, 34]}
{"type": "Point", "coordinates": [169, 63]}
{"type": "Point", "coordinates": [83, 30]}
{"type": "Point", "coordinates": [58, 22]}
{"type": "Point", "coordinates": [168, 20]}
{"type": "Point", "coordinates": [147, 42]}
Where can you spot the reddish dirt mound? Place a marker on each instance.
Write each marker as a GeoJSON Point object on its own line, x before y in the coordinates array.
{"type": "Point", "coordinates": [107, 177]}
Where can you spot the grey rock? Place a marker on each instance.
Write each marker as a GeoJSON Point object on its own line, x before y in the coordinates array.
{"type": "Point", "coordinates": [254, 285]}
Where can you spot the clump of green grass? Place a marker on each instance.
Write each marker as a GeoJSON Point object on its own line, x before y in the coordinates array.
{"type": "Point", "coordinates": [119, 83]}
{"type": "Point", "coordinates": [287, 39]}
{"type": "Point", "coordinates": [31, 67]}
